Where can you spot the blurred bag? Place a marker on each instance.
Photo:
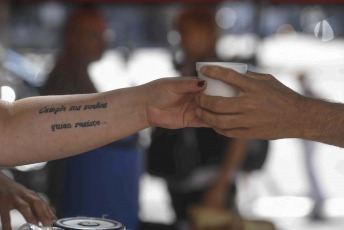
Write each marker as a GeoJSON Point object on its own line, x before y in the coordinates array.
{"type": "Point", "coordinates": [173, 154]}
{"type": "Point", "coordinates": [256, 155]}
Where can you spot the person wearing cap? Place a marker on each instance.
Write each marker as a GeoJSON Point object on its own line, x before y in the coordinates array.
{"type": "Point", "coordinates": [267, 109]}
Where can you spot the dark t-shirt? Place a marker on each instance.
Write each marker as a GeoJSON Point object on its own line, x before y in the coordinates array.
{"type": "Point", "coordinates": [174, 154]}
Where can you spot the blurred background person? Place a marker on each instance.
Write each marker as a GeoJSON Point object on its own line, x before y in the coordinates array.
{"type": "Point", "coordinates": [199, 165]}
{"type": "Point", "coordinates": [75, 183]}
{"type": "Point", "coordinates": [316, 190]}
{"type": "Point", "coordinates": [84, 43]}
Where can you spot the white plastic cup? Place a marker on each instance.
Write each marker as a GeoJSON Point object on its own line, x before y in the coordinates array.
{"type": "Point", "coordinates": [216, 87]}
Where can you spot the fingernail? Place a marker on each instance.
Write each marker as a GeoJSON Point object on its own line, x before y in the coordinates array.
{"type": "Point", "coordinates": [204, 69]}
{"type": "Point", "coordinates": [200, 84]}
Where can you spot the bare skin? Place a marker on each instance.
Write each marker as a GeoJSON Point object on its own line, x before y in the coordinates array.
{"type": "Point", "coordinates": [46, 128]}
{"type": "Point", "coordinates": [267, 109]}
{"type": "Point", "coordinates": [27, 202]}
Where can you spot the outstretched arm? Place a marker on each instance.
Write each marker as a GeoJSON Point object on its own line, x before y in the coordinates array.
{"type": "Point", "coordinates": [267, 109]}
{"type": "Point", "coordinates": [46, 128]}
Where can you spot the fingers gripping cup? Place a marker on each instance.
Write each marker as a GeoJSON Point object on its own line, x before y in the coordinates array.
{"type": "Point", "coordinates": [216, 87]}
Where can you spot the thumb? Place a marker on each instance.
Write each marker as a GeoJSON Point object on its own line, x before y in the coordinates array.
{"type": "Point", "coordinates": [183, 85]}
{"type": "Point", "coordinates": [227, 75]}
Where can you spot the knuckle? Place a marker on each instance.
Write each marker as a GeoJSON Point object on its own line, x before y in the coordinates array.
{"type": "Point", "coordinates": [25, 206]}
{"type": "Point", "coordinates": [251, 106]}
{"type": "Point", "coordinates": [37, 201]}
{"type": "Point", "coordinates": [255, 85]}
{"type": "Point", "coordinates": [30, 218]}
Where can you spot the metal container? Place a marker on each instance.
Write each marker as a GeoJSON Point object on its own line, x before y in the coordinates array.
{"type": "Point", "coordinates": [88, 223]}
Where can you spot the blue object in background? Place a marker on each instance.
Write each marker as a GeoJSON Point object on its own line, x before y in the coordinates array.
{"type": "Point", "coordinates": [104, 182]}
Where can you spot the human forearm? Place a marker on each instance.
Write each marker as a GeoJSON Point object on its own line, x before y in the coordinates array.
{"type": "Point", "coordinates": [67, 125]}
{"type": "Point", "coordinates": [235, 153]}
{"type": "Point", "coordinates": [46, 128]}
{"type": "Point", "coordinates": [321, 121]}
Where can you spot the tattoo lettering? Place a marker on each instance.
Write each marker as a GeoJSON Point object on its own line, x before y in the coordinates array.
{"type": "Point", "coordinates": [87, 124]}
{"type": "Point", "coordinates": [63, 108]}
{"type": "Point", "coordinates": [74, 108]}
{"type": "Point", "coordinates": [46, 109]}
{"type": "Point", "coordinates": [61, 126]}
{"type": "Point", "coordinates": [96, 106]}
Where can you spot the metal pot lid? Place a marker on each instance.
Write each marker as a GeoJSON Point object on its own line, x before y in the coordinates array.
{"type": "Point", "coordinates": [88, 223]}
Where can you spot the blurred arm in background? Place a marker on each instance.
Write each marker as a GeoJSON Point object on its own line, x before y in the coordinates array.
{"type": "Point", "coordinates": [216, 195]}
{"type": "Point", "coordinates": [46, 128]}
{"type": "Point", "coordinates": [27, 202]}
{"type": "Point", "coordinates": [267, 109]}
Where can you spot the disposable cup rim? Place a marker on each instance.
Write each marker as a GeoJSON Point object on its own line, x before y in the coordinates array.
{"type": "Point", "coordinates": [222, 64]}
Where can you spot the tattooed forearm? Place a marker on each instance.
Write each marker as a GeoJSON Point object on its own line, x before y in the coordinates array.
{"type": "Point", "coordinates": [83, 124]}
{"type": "Point", "coordinates": [63, 108]}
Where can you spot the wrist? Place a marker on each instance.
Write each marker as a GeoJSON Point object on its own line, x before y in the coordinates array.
{"type": "Point", "coordinates": [315, 119]}
{"type": "Point", "coordinates": [142, 103]}
{"type": "Point", "coordinates": [298, 123]}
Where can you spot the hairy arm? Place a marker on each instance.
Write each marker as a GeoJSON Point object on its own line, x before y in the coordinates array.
{"type": "Point", "coordinates": [321, 121]}
{"type": "Point", "coordinates": [267, 109]}
{"type": "Point", "coordinates": [46, 128]}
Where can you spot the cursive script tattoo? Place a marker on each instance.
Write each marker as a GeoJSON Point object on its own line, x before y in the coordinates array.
{"type": "Point", "coordinates": [62, 108]}
{"type": "Point", "coordinates": [83, 124]}
{"type": "Point", "coordinates": [61, 126]}
{"type": "Point", "coordinates": [46, 109]}
{"type": "Point", "coordinates": [96, 106]}
{"type": "Point", "coordinates": [87, 124]}
{"type": "Point", "coordinates": [74, 108]}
